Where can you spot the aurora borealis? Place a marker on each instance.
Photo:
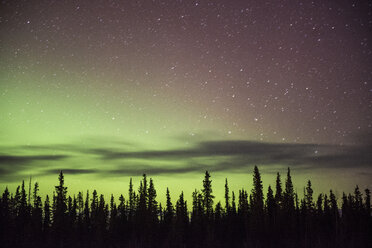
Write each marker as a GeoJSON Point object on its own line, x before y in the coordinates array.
{"type": "Point", "coordinates": [107, 90]}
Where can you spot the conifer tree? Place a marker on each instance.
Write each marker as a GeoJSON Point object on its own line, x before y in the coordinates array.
{"type": "Point", "coordinates": [131, 196]}
{"type": "Point", "coordinates": [94, 204]}
{"type": "Point", "coordinates": [36, 212]}
{"type": "Point", "coordinates": [101, 219]}
{"type": "Point", "coordinates": [47, 215]}
{"type": "Point", "coordinates": [358, 199]}
{"type": "Point", "coordinates": [61, 204]}
{"type": "Point", "coordinates": [15, 202]}
{"type": "Point", "coordinates": [319, 204]}
{"type": "Point", "coordinates": [113, 214]}
{"type": "Point", "coordinates": [243, 205]}
{"type": "Point", "coordinates": [194, 213]}
{"type": "Point", "coordinates": [169, 211]}
{"type": "Point", "coordinates": [73, 212]}
{"type": "Point", "coordinates": [5, 217]}
{"type": "Point", "coordinates": [152, 204]}
{"type": "Point", "coordinates": [334, 207]}
{"type": "Point", "coordinates": [309, 204]}
{"type": "Point", "coordinates": [87, 212]}
{"type": "Point", "coordinates": [142, 204]}
{"type": "Point", "coordinates": [270, 203]}
{"type": "Point", "coordinates": [288, 196]}
{"type": "Point", "coordinates": [279, 191]}
{"type": "Point", "coordinates": [207, 195]}
{"type": "Point", "coordinates": [23, 205]}
{"type": "Point", "coordinates": [80, 203]}
{"type": "Point", "coordinates": [367, 204]}
{"type": "Point", "coordinates": [233, 204]}
{"type": "Point", "coordinates": [5, 204]}
{"type": "Point", "coordinates": [160, 213]}
{"type": "Point", "coordinates": [60, 211]}
{"type": "Point", "coordinates": [121, 207]}
{"type": "Point", "coordinates": [218, 212]}
{"type": "Point", "coordinates": [326, 205]}
{"type": "Point", "coordinates": [257, 194]}
{"type": "Point", "coordinates": [227, 197]}
{"type": "Point", "coordinates": [181, 211]}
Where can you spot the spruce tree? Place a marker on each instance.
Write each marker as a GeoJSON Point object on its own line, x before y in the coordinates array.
{"type": "Point", "coordinates": [207, 195]}
{"type": "Point", "coordinates": [86, 219]}
{"type": "Point", "coordinates": [169, 211]}
{"type": "Point", "coordinates": [80, 203]}
{"type": "Point", "coordinates": [181, 211]}
{"type": "Point", "coordinates": [270, 203]}
{"type": "Point", "coordinates": [218, 213]}
{"type": "Point", "coordinates": [47, 215]}
{"type": "Point", "coordinates": [233, 204]}
{"type": "Point", "coordinates": [23, 210]}
{"type": "Point", "coordinates": [61, 200]}
{"type": "Point", "coordinates": [227, 197]}
{"type": "Point", "coordinates": [94, 204]}
{"type": "Point", "coordinates": [319, 204]}
{"type": "Point", "coordinates": [152, 204]}
{"type": "Point", "coordinates": [367, 203]}
{"type": "Point", "coordinates": [121, 207]}
{"type": "Point", "coordinates": [288, 196]}
{"type": "Point", "coordinates": [60, 211]}
{"type": "Point", "coordinates": [257, 194]}
{"type": "Point", "coordinates": [279, 191]}
{"type": "Point", "coordinates": [309, 204]}
{"type": "Point", "coordinates": [36, 213]}
{"type": "Point", "coordinates": [113, 215]}
{"type": "Point", "coordinates": [334, 207]}
{"type": "Point", "coordinates": [142, 204]}
{"type": "Point", "coordinates": [194, 213]}
{"type": "Point", "coordinates": [131, 196]}
{"type": "Point", "coordinates": [5, 218]}
{"type": "Point", "coordinates": [358, 199]}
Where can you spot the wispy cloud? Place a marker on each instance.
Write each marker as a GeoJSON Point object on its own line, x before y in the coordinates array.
{"type": "Point", "coordinates": [228, 156]}
{"type": "Point", "coordinates": [13, 165]}
{"type": "Point", "coordinates": [258, 152]}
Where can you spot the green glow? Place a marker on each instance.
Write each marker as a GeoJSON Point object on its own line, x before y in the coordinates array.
{"type": "Point", "coordinates": [52, 108]}
{"type": "Point", "coordinates": [44, 112]}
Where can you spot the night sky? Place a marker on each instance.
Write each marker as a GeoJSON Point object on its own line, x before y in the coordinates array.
{"type": "Point", "coordinates": [107, 90]}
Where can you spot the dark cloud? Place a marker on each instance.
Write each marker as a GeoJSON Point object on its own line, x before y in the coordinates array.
{"type": "Point", "coordinates": [238, 156]}
{"type": "Point", "coordinates": [70, 171]}
{"type": "Point", "coordinates": [230, 156]}
{"type": "Point", "coordinates": [14, 159]}
{"type": "Point", "coordinates": [259, 153]}
{"type": "Point", "coordinates": [150, 170]}
{"type": "Point", "coordinates": [13, 165]}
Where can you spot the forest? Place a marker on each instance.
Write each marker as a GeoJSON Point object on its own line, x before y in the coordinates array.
{"type": "Point", "coordinates": [243, 219]}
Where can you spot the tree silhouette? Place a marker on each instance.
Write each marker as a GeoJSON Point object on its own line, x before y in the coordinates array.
{"type": "Point", "coordinates": [279, 191]}
{"type": "Point", "coordinates": [288, 196]}
{"type": "Point", "coordinates": [131, 196]}
{"type": "Point", "coordinates": [59, 224]}
{"type": "Point", "coordinates": [257, 194]}
{"type": "Point", "coordinates": [207, 195]}
{"type": "Point", "coordinates": [280, 220]}
{"type": "Point", "coordinates": [309, 203]}
{"type": "Point", "coordinates": [169, 210]}
{"type": "Point", "coordinates": [46, 221]}
{"type": "Point", "coordinates": [270, 205]}
{"type": "Point", "coordinates": [152, 204]}
{"type": "Point", "coordinates": [227, 197]}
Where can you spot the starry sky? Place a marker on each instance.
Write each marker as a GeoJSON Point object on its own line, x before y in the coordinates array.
{"type": "Point", "coordinates": [107, 90]}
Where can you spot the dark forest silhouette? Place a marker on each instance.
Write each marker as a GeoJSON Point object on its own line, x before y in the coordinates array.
{"type": "Point", "coordinates": [280, 219]}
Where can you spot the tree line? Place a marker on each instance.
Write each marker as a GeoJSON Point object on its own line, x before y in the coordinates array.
{"type": "Point", "coordinates": [243, 219]}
